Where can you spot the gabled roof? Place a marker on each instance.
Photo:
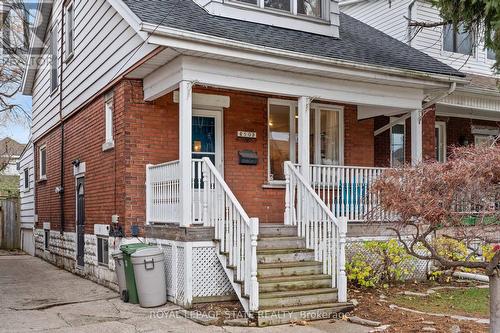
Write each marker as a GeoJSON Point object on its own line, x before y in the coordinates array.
{"type": "Point", "coordinates": [10, 147]}
{"type": "Point", "coordinates": [358, 42]}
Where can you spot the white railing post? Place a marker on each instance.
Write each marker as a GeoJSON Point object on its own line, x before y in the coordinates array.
{"type": "Point", "coordinates": [416, 137]}
{"type": "Point", "coordinates": [185, 151]}
{"type": "Point", "coordinates": [341, 274]}
{"type": "Point", "coordinates": [288, 189]}
{"type": "Point", "coordinates": [254, 292]}
{"type": "Point", "coordinates": [149, 204]}
{"type": "Point", "coordinates": [304, 104]}
{"type": "Point", "coordinates": [206, 188]}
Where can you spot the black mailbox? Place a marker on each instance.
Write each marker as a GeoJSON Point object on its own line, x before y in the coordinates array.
{"type": "Point", "coordinates": [248, 157]}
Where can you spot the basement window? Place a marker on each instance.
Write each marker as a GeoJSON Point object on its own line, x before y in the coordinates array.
{"type": "Point", "coordinates": [46, 239]}
{"type": "Point", "coordinates": [102, 251]}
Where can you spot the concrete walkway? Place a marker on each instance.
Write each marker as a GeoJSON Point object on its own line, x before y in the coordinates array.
{"type": "Point", "coordinates": [37, 296]}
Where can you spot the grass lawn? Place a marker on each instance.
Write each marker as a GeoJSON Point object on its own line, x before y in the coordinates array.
{"type": "Point", "coordinates": [465, 302]}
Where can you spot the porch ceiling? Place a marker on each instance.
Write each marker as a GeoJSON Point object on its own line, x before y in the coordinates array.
{"type": "Point", "coordinates": [230, 75]}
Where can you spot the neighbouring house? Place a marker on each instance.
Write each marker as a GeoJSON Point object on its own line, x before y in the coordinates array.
{"type": "Point", "coordinates": [10, 151]}
{"type": "Point", "coordinates": [27, 198]}
{"type": "Point", "coordinates": [471, 115]}
{"type": "Point", "coordinates": [240, 136]}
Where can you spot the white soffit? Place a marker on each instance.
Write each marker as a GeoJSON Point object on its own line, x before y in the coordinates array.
{"type": "Point", "coordinates": [473, 101]}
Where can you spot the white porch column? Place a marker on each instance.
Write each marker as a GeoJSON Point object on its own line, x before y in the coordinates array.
{"type": "Point", "coordinates": [416, 137]}
{"type": "Point", "coordinates": [185, 140]}
{"type": "Point", "coordinates": [304, 111]}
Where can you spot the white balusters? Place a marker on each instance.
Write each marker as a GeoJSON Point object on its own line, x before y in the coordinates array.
{"type": "Point", "coordinates": [314, 220]}
{"type": "Point", "coordinates": [347, 191]}
{"type": "Point", "coordinates": [235, 232]}
{"type": "Point", "coordinates": [162, 193]}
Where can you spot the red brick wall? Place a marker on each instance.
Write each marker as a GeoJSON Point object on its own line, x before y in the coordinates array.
{"type": "Point", "coordinates": [429, 134]}
{"type": "Point", "coordinates": [147, 132]}
{"type": "Point", "coordinates": [458, 129]}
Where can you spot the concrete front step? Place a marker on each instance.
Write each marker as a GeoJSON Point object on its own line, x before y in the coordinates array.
{"type": "Point", "coordinates": [300, 282]}
{"type": "Point", "coordinates": [286, 315]}
{"type": "Point", "coordinates": [276, 230]}
{"type": "Point", "coordinates": [280, 299]}
{"type": "Point", "coordinates": [268, 256]}
{"type": "Point", "coordinates": [288, 242]}
{"type": "Point", "coordinates": [289, 269]}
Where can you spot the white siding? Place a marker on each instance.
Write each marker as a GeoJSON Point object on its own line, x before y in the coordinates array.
{"type": "Point", "coordinates": [377, 13]}
{"type": "Point", "coordinates": [27, 197]}
{"type": "Point", "coordinates": [430, 41]}
{"type": "Point", "coordinates": [104, 47]}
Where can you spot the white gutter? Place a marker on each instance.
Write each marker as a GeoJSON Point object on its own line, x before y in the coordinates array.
{"type": "Point", "coordinates": [218, 41]}
{"type": "Point", "coordinates": [471, 276]}
{"type": "Point", "coordinates": [350, 2]}
{"type": "Point", "coordinates": [431, 102]}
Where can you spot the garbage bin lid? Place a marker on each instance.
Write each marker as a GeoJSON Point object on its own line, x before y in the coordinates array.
{"type": "Point", "coordinates": [117, 254]}
{"type": "Point", "coordinates": [131, 248]}
{"type": "Point", "coordinates": [147, 252]}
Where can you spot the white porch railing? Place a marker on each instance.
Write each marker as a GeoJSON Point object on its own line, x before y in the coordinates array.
{"type": "Point", "coordinates": [324, 233]}
{"type": "Point", "coordinates": [347, 191]}
{"type": "Point", "coordinates": [162, 193]}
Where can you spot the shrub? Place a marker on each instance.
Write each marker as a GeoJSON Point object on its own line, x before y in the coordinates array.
{"type": "Point", "coordinates": [378, 261]}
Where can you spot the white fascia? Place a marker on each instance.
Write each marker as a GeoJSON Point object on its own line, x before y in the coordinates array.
{"type": "Point", "coordinates": [226, 48]}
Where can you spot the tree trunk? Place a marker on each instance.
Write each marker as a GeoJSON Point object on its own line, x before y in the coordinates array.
{"type": "Point", "coordinates": [495, 302]}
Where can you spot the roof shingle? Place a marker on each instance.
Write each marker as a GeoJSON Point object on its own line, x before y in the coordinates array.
{"type": "Point", "coordinates": [358, 42]}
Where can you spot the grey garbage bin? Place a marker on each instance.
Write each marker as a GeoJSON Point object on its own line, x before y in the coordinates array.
{"type": "Point", "coordinates": [120, 273]}
{"type": "Point", "coordinates": [149, 271]}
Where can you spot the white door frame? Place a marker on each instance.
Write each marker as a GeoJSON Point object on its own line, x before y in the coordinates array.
{"type": "Point", "coordinates": [441, 126]}
{"type": "Point", "coordinates": [219, 135]}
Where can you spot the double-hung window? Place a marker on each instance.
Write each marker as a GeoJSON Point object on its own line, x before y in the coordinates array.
{"type": "Point", "coordinates": [26, 179]}
{"type": "Point", "coordinates": [457, 40]}
{"type": "Point", "coordinates": [108, 122]}
{"type": "Point", "coordinates": [312, 8]}
{"type": "Point", "coordinates": [325, 135]}
{"type": "Point", "coordinates": [54, 79]}
{"type": "Point", "coordinates": [398, 144]}
{"type": "Point", "coordinates": [69, 29]}
{"type": "Point", "coordinates": [42, 163]}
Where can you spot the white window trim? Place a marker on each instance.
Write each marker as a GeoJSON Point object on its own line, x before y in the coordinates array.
{"type": "Point", "coordinates": [446, 53]}
{"type": "Point", "coordinates": [69, 55]}
{"type": "Point", "coordinates": [324, 17]}
{"type": "Point", "coordinates": [54, 53]}
{"type": "Point", "coordinates": [441, 125]}
{"type": "Point", "coordinates": [26, 188]}
{"type": "Point", "coordinates": [109, 141]}
{"type": "Point", "coordinates": [390, 138]}
{"type": "Point", "coordinates": [40, 175]}
{"type": "Point", "coordinates": [314, 107]}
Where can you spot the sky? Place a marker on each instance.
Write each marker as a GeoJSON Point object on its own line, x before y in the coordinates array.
{"type": "Point", "coordinates": [18, 131]}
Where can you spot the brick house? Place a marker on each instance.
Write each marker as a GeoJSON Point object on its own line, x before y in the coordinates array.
{"type": "Point", "coordinates": [244, 149]}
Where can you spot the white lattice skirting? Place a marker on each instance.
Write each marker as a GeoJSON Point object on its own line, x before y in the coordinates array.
{"type": "Point", "coordinates": [192, 271]}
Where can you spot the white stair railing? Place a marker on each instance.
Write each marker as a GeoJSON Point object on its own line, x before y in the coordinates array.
{"type": "Point", "coordinates": [347, 191]}
{"type": "Point", "coordinates": [235, 233]}
{"type": "Point", "coordinates": [324, 233]}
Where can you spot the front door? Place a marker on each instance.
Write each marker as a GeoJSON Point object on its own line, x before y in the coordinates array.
{"type": "Point", "coordinates": [80, 221]}
{"type": "Point", "coordinates": [206, 142]}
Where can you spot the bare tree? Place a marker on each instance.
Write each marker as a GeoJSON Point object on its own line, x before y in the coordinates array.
{"type": "Point", "coordinates": [436, 199]}
{"type": "Point", "coordinates": [15, 31]}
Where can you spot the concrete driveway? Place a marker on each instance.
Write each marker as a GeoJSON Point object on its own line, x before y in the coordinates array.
{"type": "Point", "coordinates": [37, 296]}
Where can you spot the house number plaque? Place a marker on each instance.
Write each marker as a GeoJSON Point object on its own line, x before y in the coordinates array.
{"type": "Point", "coordinates": [247, 135]}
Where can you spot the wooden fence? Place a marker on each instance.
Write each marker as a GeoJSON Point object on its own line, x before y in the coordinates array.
{"type": "Point", "coordinates": [10, 226]}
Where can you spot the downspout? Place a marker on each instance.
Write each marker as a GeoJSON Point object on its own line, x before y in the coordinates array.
{"type": "Point", "coordinates": [61, 192]}
{"type": "Point", "coordinates": [453, 87]}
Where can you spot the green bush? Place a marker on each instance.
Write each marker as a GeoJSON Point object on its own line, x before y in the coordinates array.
{"type": "Point", "coordinates": [378, 261]}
